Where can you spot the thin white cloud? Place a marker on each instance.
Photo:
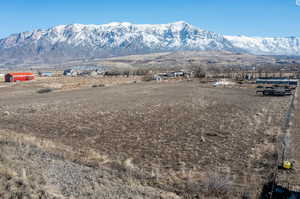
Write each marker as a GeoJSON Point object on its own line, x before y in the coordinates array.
{"type": "Point", "coordinates": [298, 2]}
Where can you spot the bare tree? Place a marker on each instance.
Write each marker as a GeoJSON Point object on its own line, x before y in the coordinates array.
{"type": "Point", "coordinates": [199, 71]}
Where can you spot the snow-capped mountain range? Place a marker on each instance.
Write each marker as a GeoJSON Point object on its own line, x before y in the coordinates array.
{"type": "Point", "coordinates": [77, 41]}
{"type": "Point", "coordinates": [267, 45]}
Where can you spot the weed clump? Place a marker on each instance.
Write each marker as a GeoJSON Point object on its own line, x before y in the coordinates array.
{"type": "Point", "coordinates": [45, 90]}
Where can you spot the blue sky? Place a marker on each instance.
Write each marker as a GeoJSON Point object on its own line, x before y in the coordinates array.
{"type": "Point", "coordinates": [230, 17]}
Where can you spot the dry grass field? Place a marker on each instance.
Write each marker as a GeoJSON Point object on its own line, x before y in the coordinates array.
{"type": "Point", "coordinates": [155, 140]}
{"type": "Point", "coordinates": [180, 59]}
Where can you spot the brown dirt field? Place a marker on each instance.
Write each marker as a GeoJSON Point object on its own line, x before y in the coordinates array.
{"type": "Point", "coordinates": [290, 178]}
{"type": "Point", "coordinates": [181, 131]}
{"type": "Point", "coordinates": [62, 83]}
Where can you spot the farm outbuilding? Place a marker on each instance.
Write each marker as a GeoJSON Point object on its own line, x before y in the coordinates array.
{"type": "Point", "coordinates": [278, 81]}
{"type": "Point", "coordinates": [15, 77]}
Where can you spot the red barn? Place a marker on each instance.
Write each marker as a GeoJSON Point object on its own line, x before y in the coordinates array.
{"type": "Point", "coordinates": [15, 77]}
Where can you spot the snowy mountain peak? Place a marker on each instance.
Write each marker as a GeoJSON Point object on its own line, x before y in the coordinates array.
{"type": "Point", "coordinates": [64, 42]}
{"type": "Point", "coordinates": [178, 35]}
{"type": "Point", "coordinates": [118, 24]}
{"type": "Point", "coordinates": [180, 23]}
{"type": "Point", "coordinates": [267, 45]}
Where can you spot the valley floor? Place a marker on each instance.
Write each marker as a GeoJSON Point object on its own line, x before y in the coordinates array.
{"type": "Point", "coordinates": [152, 139]}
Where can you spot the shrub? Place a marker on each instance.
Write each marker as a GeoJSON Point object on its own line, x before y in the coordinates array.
{"type": "Point", "coordinates": [218, 185]}
{"type": "Point", "coordinates": [98, 85]}
{"type": "Point", "coordinates": [147, 78]}
{"type": "Point", "coordinates": [45, 90]}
